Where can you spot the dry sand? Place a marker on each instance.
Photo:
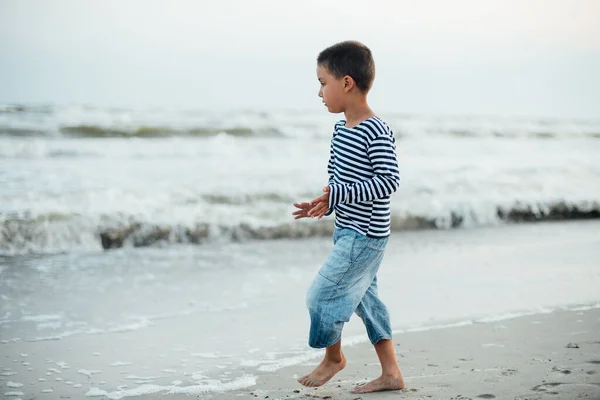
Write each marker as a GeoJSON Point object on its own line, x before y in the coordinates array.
{"type": "Point", "coordinates": [545, 356]}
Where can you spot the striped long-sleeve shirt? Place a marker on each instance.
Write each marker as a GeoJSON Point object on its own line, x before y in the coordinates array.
{"type": "Point", "coordinates": [363, 173]}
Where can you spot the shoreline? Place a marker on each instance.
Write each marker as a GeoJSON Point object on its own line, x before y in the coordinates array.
{"type": "Point", "coordinates": [224, 322]}
{"type": "Point", "coordinates": [551, 355]}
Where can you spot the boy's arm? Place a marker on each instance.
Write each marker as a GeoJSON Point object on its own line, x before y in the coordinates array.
{"type": "Point", "coordinates": [382, 153]}
{"type": "Point", "coordinates": [330, 164]}
{"type": "Point", "coordinates": [330, 173]}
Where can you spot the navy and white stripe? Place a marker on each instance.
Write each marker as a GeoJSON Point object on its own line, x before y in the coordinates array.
{"type": "Point", "coordinates": [363, 173]}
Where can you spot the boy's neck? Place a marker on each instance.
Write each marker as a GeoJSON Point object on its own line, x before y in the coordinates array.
{"type": "Point", "coordinates": [357, 113]}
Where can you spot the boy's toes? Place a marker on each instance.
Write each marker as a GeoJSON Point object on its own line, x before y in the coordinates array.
{"type": "Point", "coordinates": [302, 380]}
{"type": "Point", "coordinates": [357, 388]}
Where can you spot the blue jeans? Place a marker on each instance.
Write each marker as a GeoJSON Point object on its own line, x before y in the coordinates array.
{"type": "Point", "coordinates": [345, 284]}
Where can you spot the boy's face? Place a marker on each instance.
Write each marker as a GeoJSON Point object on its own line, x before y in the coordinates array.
{"type": "Point", "coordinates": [332, 90]}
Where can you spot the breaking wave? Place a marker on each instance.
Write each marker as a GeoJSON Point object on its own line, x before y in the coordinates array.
{"type": "Point", "coordinates": [97, 131]}
{"type": "Point", "coordinates": [59, 232]}
{"type": "Point", "coordinates": [81, 121]}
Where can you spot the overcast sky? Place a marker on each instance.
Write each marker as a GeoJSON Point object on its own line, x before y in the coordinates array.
{"type": "Point", "coordinates": [509, 57]}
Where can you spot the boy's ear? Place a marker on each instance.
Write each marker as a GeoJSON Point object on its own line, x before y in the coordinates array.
{"type": "Point", "coordinates": [348, 83]}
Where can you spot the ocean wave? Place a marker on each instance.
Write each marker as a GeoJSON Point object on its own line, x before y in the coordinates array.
{"type": "Point", "coordinates": [85, 121]}
{"type": "Point", "coordinates": [8, 108]}
{"type": "Point", "coordinates": [22, 132]}
{"type": "Point", "coordinates": [94, 131]}
{"type": "Point", "coordinates": [99, 131]}
{"type": "Point", "coordinates": [248, 199]}
{"type": "Point", "coordinates": [63, 232]}
{"type": "Point", "coordinates": [84, 131]}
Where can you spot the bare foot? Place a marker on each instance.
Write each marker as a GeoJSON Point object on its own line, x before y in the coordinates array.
{"type": "Point", "coordinates": [380, 384]}
{"type": "Point", "coordinates": [323, 373]}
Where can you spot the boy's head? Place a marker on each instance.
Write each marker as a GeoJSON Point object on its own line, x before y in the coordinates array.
{"type": "Point", "coordinates": [344, 69]}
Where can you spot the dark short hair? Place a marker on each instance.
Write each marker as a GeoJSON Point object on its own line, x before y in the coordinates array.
{"type": "Point", "coordinates": [350, 58]}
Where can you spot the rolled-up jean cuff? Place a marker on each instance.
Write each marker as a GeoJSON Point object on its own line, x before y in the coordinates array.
{"type": "Point", "coordinates": [323, 346]}
{"type": "Point", "coordinates": [379, 339]}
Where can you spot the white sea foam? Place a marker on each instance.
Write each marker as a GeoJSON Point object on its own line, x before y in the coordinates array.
{"type": "Point", "coordinates": [88, 373]}
{"type": "Point", "coordinates": [120, 364]}
{"type": "Point", "coordinates": [208, 355]}
{"type": "Point", "coordinates": [41, 318]}
{"type": "Point", "coordinates": [95, 392]}
{"type": "Point", "coordinates": [62, 365]}
{"type": "Point", "coordinates": [585, 308]}
{"type": "Point", "coordinates": [125, 327]}
{"type": "Point", "coordinates": [11, 384]}
{"type": "Point", "coordinates": [215, 386]}
{"type": "Point", "coordinates": [143, 378]}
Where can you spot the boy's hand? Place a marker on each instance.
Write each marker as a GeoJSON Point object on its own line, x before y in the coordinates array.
{"type": "Point", "coordinates": [304, 208]}
{"type": "Point", "coordinates": [320, 205]}
{"type": "Point", "coordinates": [316, 208]}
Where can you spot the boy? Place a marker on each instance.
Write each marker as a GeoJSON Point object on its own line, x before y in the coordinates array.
{"type": "Point", "coordinates": [363, 173]}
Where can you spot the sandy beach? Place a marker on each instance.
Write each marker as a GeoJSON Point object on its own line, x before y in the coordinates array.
{"type": "Point", "coordinates": [544, 356]}
{"type": "Point", "coordinates": [480, 312]}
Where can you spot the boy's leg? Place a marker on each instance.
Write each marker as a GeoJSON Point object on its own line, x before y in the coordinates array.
{"type": "Point", "coordinates": [333, 363]}
{"type": "Point", "coordinates": [377, 321]}
{"type": "Point", "coordinates": [333, 297]}
{"type": "Point", "coordinates": [374, 314]}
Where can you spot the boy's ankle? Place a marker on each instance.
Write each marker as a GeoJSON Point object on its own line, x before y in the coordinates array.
{"type": "Point", "coordinates": [392, 374]}
{"type": "Point", "coordinates": [334, 358]}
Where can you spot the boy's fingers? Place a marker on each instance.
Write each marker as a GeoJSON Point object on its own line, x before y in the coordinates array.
{"type": "Point", "coordinates": [312, 210]}
{"type": "Point", "coordinates": [324, 197]}
{"type": "Point", "coordinates": [317, 209]}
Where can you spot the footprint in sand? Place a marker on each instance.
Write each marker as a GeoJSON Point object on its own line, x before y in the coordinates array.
{"type": "Point", "coordinates": [544, 387]}
{"type": "Point", "coordinates": [561, 370]}
{"type": "Point", "coordinates": [509, 372]}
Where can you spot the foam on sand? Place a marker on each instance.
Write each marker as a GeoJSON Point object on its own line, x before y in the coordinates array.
{"type": "Point", "coordinates": [216, 386]}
